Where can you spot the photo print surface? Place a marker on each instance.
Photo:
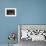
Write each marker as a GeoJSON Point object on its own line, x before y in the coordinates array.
{"type": "Point", "coordinates": [10, 11]}
{"type": "Point", "coordinates": [33, 32]}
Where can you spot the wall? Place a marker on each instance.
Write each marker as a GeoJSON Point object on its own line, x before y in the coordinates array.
{"type": "Point", "coordinates": [28, 12]}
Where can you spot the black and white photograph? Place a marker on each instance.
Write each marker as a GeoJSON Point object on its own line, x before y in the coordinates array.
{"type": "Point", "coordinates": [10, 11]}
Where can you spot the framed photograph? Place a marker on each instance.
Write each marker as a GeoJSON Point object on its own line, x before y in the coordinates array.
{"type": "Point", "coordinates": [10, 11]}
{"type": "Point", "coordinates": [33, 32]}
